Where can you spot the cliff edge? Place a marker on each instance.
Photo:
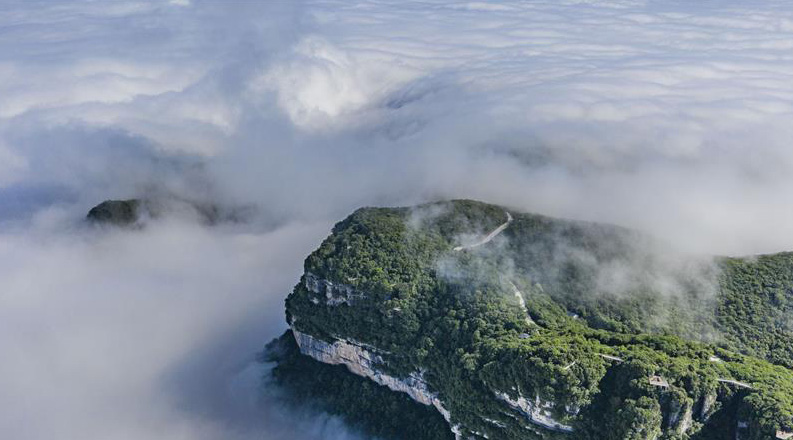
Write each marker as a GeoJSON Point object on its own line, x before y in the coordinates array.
{"type": "Point", "coordinates": [518, 326]}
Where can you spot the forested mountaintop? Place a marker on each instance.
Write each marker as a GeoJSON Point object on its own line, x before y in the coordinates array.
{"type": "Point", "coordinates": [520, 326]}
{"type": "Point", "coordinates": [133, 213]}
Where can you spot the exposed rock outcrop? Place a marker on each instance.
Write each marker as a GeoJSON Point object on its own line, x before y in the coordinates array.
{"type": "Point", "coordinates": [359, 359]}
{"type": "Point", "coordinates": [680, 416]}
{"type": "Point", "coordinates": [536, 410]}
{"type": "Point", "coordinates": [524, 365]}
{"type": "Point", "coordinates": [332, 293]}
{"type": "Point", "coordinates": [706, 406]}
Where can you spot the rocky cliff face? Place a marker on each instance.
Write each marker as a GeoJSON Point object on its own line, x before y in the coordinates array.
{"type": "Point", "coordinates": [483, 335]}
{"type": "Point", "coordinates": [362, 361]}
{"type": "Point", "coordinates": [332, 294]}
{"type": "Point", "coordinates": [536, 410]}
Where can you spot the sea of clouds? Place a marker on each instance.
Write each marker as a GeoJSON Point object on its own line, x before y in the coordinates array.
{"type": "Point", "coordinates": [669, 116]}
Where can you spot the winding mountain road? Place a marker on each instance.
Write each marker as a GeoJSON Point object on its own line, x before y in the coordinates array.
{"type": "Point", "coordinates": [493, 234]}
{"type": "Point", "coordinates": [736, 383]}
{"type": "Point", "coordinates": [489, 236]}
{"type": "Point", "coordinates": [611, 358]}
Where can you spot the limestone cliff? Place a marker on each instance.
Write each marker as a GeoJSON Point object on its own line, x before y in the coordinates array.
{"type": "Point", "coordinates": [536, 410]}
{"type": "Point", "coordinates": [506, 339]}
{"type": "Point", "coordinates": [331, 293]}
{"type": "Point", "coordinates": [363, 362]}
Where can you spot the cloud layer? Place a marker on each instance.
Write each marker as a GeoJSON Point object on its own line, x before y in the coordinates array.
{"type": "Point", "coordinates": [670, 116]}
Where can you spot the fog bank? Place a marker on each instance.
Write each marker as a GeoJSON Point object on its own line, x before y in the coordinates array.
{"type": "Point", "coordinates": [671, 117]}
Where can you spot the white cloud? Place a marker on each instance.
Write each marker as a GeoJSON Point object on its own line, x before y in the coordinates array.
{"type": "Point", "coordinates": [321, 85]}
{"type": "Point", "coordinates": [98, 330]}
{"type": "Point", "coordinates": [12, 165]}
{"type": "Point", "coordinates": [88, 81]}
{"type": "Point", "coordinates": [669, 116]}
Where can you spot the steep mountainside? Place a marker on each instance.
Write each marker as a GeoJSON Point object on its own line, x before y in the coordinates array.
{"type": "Point", "coordinates": [519, 326]}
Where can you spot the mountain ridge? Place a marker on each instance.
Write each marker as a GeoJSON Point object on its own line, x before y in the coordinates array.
{"type": "Point", "coordinates": [574, 356]}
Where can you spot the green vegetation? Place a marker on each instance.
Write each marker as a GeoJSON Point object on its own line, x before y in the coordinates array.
{"type": "Point", "coordinates": [370, 408]}
{"type": "Point", "coordinates": [115, 212]}
{"type": "Point", "coordinates": [590, 291]}
{"type": "Point", "coordinates": [756, 308]}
